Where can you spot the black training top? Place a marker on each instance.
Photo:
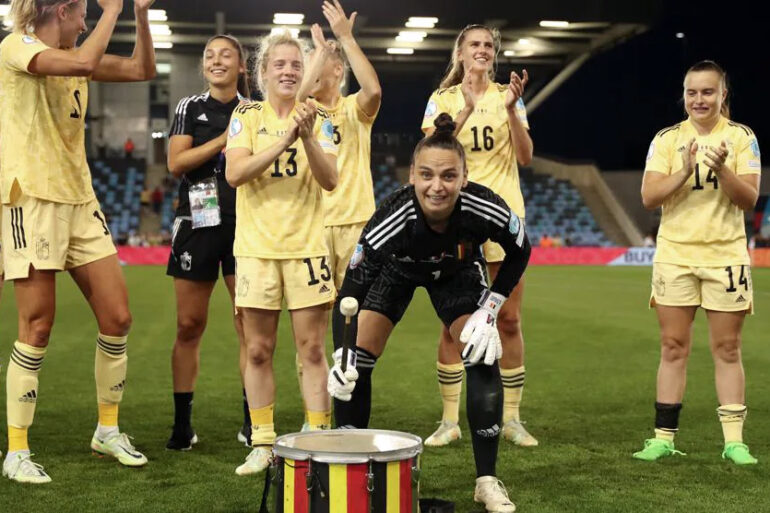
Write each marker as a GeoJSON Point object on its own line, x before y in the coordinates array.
{"type": "Point", "coordinates": [204, 118]}
{"type": "Point", "coordinates": [398, 234]}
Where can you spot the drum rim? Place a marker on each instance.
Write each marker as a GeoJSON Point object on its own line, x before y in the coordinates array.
{"type": "Point", "coordinates": [348, 458]}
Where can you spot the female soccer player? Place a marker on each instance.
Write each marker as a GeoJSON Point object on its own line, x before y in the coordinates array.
{"type": "Point", "coordinates": [204, 228]}
{"type": "Point", "coordinates": [280, 154]}
{"type": "Point", "coordinates": [51, 218]}
{"type": "Point", "coordinates": [430, 234]}
{"type": "Point", "coordinates": [704, 172]}
{"type": "Point", "coordinates": [491, 124]}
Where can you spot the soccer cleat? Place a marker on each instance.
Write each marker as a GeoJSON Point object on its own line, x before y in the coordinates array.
{"type": "Point", "coordinates": [22, 469]}
{"type": "Point", "coordinates": [491, 492]}
{"type": "Point", "coordinates": [305, 428]}
{"type": "Point", "coordinates": [257, 461]}
{"type": "Point", "coordinates": [446, 433]}
{"type": "Point", "coordinates": [182, 440]}
{"type": "Point", "coordinates": [244, 435]}
{"type": "Point", "coordinates": [656, 448]}
{"type": "Point", "coordinates": [516, 432]}
{"type": "Point", "coordinates": [738, 453]}
{"type": "Point", "coordinates": [119, 447]}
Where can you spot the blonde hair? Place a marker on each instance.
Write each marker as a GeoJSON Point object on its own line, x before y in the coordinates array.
{"type": "Point", "coordinates": [266, 45]}
{"type": "Point", "coordinates": [708, 65]}
{"type": "Point", "coordinates": [244, 79]}
{"type": "Point", "coordinates": [455, 71]}
{"type": "Point", "coordinates": [25, 15]}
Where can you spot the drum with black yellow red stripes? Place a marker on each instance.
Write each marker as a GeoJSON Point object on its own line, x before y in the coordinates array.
{"type": "Point", "coordinates": [347, 471]}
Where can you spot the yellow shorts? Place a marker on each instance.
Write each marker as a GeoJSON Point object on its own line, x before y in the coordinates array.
{"type": "Point", "coordinates": [341, 241]}
{"type": "Point", "coordinates": [494, 252]}
{"type": "Point", "coordinates": [266, 283]}
{"type": "Point", "coordinates": [722, 289]}
{"type": "Point", "coordinates": [52, 236]}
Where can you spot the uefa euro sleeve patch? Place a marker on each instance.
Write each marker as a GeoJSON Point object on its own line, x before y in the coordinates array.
{"type": "Point", "coordinates": [358, 256]}
{"type": "Point", "coordinates": [514, 224]}
{"type": "Point", "coordinates": [431, 109]}
{"type": "Point", "coordinates": [235, 127]}
{"type": "Point", "coordinates": [651, 151]}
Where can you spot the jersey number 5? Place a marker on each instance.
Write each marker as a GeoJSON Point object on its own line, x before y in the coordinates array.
{"type": "Point", "coordinates": [291, 170]}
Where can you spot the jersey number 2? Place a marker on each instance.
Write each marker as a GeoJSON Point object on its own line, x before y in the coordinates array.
{"type": "Point", "coordinates": [77, 110]}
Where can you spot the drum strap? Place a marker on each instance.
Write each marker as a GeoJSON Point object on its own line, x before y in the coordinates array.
{"type": "Point", "coordinates": [265, 492]}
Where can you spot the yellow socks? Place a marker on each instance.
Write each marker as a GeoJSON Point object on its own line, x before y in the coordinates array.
{"type": "Point", "coordinates": [108, 415]}
{"type": "Point", "coordinates": [732, 417]}
{"type": "Point", "coordinates": [450, 385]}
{"type": "Point", "coordinates": [21, 392]}
{"type": "Point", "coordinates": [110, 364]}
{"type": "Point", "coordinates": [513, 387]}
{"type": "Point", "coordinates": [262, 427]}
{"type": "Point", "coordinates": [17, 439]}
{"type": "Point", "coordinates": [318, 420]}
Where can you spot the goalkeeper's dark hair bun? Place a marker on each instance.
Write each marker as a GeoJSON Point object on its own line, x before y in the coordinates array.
{"type": "Point", "coordinates": [445, 125]}
{"type": "Point", "coordinates": [442, 137]}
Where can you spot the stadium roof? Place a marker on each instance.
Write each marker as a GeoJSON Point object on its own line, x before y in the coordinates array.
{"type": "Point", "coordinates": [553, 52]}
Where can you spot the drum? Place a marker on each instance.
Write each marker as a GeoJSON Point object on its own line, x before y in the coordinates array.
{"type": "Point", "coordinates": [347, 471]}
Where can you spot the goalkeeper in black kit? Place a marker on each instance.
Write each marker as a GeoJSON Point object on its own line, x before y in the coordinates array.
{"type": "Point", "coordinates": [429, 234]}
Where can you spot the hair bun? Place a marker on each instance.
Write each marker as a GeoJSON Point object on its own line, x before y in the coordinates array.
{"type": "Point", "coordinates": [444, 124]}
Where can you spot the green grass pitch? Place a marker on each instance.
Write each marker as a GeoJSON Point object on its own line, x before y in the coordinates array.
{"type": "Point", "coordinates": [592, 352]}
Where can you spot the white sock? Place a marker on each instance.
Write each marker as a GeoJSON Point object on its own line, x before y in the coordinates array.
{"type": "Point", "coordinates": [106, 432]}
{"type": "Point", "coordinates": [12, 455]}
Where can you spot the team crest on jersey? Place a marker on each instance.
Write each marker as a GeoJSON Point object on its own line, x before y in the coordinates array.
{"type": "Point", "coordinates": [235, 127]}
{"type": "Point", "coordinates": [29, 40]}
{"type": "Point", "coordinates": [431, 109]}
{"type": "Point", "coordinates": [514, 224]}
{"type": "Point", "coordinates": [42, 249]}
{"type": "Point", "coordinates": [755, 147]}
{"type": "Point", "coordinates": [358, 256]}
{"type": "Point", "coordinates": [186, 259]}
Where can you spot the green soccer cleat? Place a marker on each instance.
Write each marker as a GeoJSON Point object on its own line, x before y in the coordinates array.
{"type": "Point", "coordinates": [738, 453]}
{"type": "Point", "coordinates": [656, 448]}
{"type": "Point", "coordinates": [119, 447]}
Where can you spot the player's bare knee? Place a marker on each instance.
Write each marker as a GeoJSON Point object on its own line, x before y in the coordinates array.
{"type": "Point", "coordinates": [38, 331]}
{"type": "Point", "coordinates": [313, 355]}
{"type": "Point", "coordinates": [189, 330]}
{"type": "Point", "coordinates": [727, 349]}
{"type": "Point", "coordinates": [259, 355]}
{"type": "Point", "coordinates": [117, 324]}
{"type": "Point", "coordinates": [509, 323]}
{"type": "Point", "coordinates": [674, 349]}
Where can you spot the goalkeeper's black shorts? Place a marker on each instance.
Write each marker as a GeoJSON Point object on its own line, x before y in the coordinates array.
{"type": "Point", "coordinates": [452, 296]}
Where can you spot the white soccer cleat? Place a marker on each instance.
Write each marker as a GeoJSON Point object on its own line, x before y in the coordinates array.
{"type": "Point", "coordinates": [516, 432]}
{"type": "Point", "coordinates": [120, 448]}
{"type": "Point", "coordinates": [446, 433]}
{"type": "Point", "coordinates": [257, 461]}
{"type": "Point", "coordinates": [243, 436]}
{"type": "Point", "coordinates": [491, 492]}
{"type": "Point", "coordinates": [22, 469]}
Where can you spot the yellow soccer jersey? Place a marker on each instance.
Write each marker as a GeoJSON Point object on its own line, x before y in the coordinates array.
{"type": "Point", "coordinates": [700, 226]}
{"type": "Point", "coordinates": [486, 138]}
{"type": "Point", "coordinates": [43, 147]}
{"type": "Point", "coordinates": [352, 201]}
{"type": "Point", "coordinates": [279, 215]}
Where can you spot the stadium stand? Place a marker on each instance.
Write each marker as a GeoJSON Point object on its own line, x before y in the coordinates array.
{"type": "Point", "coordinates": [118, 184]}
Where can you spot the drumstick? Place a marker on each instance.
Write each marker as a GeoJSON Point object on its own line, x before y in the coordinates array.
{"type": "Point", "coordinates": [348, 308]}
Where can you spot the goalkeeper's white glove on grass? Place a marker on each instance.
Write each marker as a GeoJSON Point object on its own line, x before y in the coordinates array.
{"type": "Point", "coordinates": [480, 334]}
{"type": "Point", "coordinates": [340, 385]}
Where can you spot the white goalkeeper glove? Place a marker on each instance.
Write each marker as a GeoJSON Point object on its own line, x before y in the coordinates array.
{"type": "Point", "coordinates": [340, 385]}
{"type": "Point", "coordinates": [480, 334]}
